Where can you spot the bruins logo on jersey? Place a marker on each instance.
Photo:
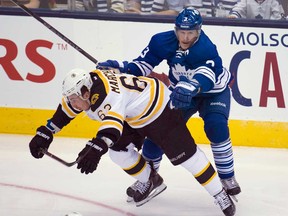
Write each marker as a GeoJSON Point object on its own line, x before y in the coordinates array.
{"type": "Point", "coordinates": [94, 98]}
{"type": "Point", "coordinates": [98, 91]}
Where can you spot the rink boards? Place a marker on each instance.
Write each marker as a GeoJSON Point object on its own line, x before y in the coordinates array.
{"type": "Point", "coordinates": [243, 133]}
{"type": "Point", "coordinates": [32, 68]}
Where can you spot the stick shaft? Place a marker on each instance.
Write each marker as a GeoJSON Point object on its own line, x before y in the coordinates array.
{"type": "Point", "coordinates": [63, 37]}
{"type": "Point", "coordinates": [68, 164]}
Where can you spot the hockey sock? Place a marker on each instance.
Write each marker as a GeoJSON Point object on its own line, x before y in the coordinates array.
{"type": "Point", "coordinates": [132, 163]}
{"type": "Point", "coordinates": [223, 157]}
{"type": "Point", "coordinates": [217, 131]}
{"type": "Point", "coordinates": [152, 153]}
{"type": "Point", "coordinates": [204, 172]}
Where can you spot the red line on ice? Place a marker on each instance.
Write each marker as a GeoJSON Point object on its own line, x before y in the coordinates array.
{"type": "Point", "coordinates": [69, 196]}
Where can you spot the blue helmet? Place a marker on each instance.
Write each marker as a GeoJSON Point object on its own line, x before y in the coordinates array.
{"type": "Point", "coordinates": [188, 19]}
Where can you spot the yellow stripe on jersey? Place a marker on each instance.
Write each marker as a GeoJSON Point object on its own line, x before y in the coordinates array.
{"type": "Point", "coordinates": [152, 94]}
{"type": "Point", "coordinates": [111, 124]}
{"type": "Point", "coordinates": [68, 111]}
{"type": "Point", "coordinates": [136, 121]}
{"type": "Point", "coordinates": [116, 115]}
{"type": "Point", "coordinates": [112, 120]}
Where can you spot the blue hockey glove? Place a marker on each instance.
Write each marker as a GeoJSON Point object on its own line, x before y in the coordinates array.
{"type": "Point", "coordinates": [91, 155]}
{"type": "Point", "coordinates": [122, 66]}
{"type": "Point", "coordinates": [185, 90]}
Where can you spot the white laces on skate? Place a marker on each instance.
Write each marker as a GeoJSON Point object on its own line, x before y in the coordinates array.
{"type": "Point", "coordinates": [142, 187]}
{"type": "Point", "coordinates": [222, 200]}
{"type": "Point", "coordinates": [133, 186]}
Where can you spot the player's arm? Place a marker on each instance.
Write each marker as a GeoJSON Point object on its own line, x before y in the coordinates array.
{"type": "Point", "coordinates": [109, 132]}
{"type": "Point", "coordinates": [140, 66]}
{"type": "Point", "coordinates": [44, 134]}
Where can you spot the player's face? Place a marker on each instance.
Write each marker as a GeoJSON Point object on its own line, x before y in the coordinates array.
{"type": "Point", "coordinates": [78, 103]}
{"type": "Point", "coordinates": [187, 38]}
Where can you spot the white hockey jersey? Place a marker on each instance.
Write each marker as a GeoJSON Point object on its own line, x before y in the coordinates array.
{"type": "Point", "coordinates": [116, 98]}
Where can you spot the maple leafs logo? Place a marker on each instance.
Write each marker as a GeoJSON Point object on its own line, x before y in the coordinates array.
{"type": "Point", "coordinates": [179, 70]}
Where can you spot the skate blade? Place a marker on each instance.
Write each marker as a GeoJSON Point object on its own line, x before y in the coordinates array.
{"type": "Point", "coordinates": [153, 194]}
{"type": "Point", "coordinates": [129, 199]}
{"type": "Point", "coordinates": [234, 198]}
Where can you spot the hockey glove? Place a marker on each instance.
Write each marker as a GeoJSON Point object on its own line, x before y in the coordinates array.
{"type": "Point", "coordinates": [185, 90]}
{"type": "Point", "coordinates": [110, 64]}
{"type": "Point", "coordinates": [41, 140]}
{"type": "Point", "coordinates": [91, 155]}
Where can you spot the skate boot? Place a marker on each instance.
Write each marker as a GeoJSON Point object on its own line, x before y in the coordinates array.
{"type": "Point", "coordinates": [232, 187]}
{"type": "Point", "coordinates": [225, 202]}
{"type": "Point", "coordinates": [146, 191]}
{"type": "Point", "coordinates": [130, 191]}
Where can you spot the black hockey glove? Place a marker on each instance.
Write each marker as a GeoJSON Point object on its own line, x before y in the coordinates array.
{"type": "Point", "coordinates": [41, 140]}
{"type": "Point", "coordinates": [91, 155]}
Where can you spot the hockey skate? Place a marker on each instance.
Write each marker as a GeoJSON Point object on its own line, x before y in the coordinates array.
{"type": "Point", "coordinates": [225, 203]}
{"type": "Point", "coordinates": [130, 191]}
{"type": "Point", "coordinates": [146, 191]}
{"type": "Point", "coordinates": [232, 187]}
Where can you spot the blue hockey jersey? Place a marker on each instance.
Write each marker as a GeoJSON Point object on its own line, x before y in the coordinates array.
{"type": "Point", "coordinates": [201, 61]}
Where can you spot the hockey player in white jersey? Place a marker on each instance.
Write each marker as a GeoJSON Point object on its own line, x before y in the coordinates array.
{"type": "Point", "coordinates": [130, 108]}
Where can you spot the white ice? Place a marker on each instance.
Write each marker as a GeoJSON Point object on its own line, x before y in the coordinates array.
{"type": "Point", "coordinates": [44, 187]}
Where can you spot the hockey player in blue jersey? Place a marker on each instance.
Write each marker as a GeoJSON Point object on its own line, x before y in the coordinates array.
{"type": "Point", "coordinates": [199, 83]}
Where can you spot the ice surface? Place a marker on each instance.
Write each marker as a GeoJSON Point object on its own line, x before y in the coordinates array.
{"type": "Point", "coordinates": [44, 187]}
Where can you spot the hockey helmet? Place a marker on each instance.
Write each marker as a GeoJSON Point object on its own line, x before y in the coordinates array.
{"type": "Point", "coordinates": [188, 19]}
{"type": "Point", "coordinates": [74, 81]}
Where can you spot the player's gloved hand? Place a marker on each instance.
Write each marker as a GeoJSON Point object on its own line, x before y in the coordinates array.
{"type": "Point", "coordinates": [184, 91]}
{"type": "Point", "coordinates": [122, 66]}
{"type": "Point", "coordinates": [91, 155]}
{"type": "Point", "coordinates": [41, 140]}
{"type": "Point", "coordinates": [192, 105]}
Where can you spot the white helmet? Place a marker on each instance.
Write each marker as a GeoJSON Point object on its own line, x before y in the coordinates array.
{"type": "Point", "coordinates": [74, 81]}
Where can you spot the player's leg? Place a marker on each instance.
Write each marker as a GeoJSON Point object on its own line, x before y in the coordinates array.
{"type": "Point", "coordinates": [215, 113]}
{"type": "Point", "coordinates": [204, 173]}
{"type": "Point", "coordinates": [217, 131]}
{"type": "Point", "coordinates": [171, 133]}
{"type": "Point", "coordinates": [149, 182]}
{"type": "Point", "coordinates": [153, 155]}
{"type": "Point", "coordinates": [124, 154]}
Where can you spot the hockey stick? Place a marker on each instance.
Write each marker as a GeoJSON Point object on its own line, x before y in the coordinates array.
{"type": "Point", "coordinates": [68, 164]}
{"type": "Point", "coordinates": [63, 37]}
